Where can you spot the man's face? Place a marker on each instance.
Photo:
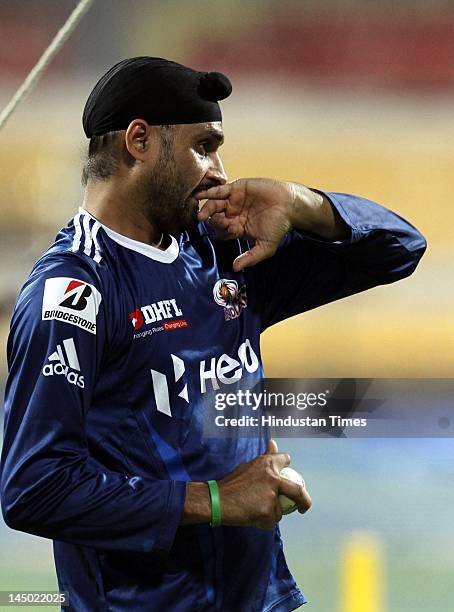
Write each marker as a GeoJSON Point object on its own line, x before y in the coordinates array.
{"type": "Point", "coordinates": [187, 162]}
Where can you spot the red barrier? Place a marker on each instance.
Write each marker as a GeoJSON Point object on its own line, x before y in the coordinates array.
{"type": "Point", "coordinates": [358, 52]}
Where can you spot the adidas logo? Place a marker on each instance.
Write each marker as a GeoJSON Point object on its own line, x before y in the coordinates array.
{"type": "Point", "coordinates": [64, 362]}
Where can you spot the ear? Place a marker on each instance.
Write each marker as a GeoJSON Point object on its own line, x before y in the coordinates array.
{"type": "Point", "coordinates": [138, 139]}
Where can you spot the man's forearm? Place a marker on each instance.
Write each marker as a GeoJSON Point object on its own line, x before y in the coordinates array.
{"type": "Point", "coordinates": [313, 212]}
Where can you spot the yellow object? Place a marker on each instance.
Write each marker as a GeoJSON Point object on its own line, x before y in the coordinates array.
{"type": "Point", "coordinates": [362, 583]}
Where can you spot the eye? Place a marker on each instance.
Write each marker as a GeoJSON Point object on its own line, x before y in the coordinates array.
{"type": "Point", "coordinates": [202, 147]}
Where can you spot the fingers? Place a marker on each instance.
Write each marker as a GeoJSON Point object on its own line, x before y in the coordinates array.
{"type": "Point", "coordinates": [243, 261]}
{"type": "Point", "coordinates": [210, 208]}
{"type": "Point", "coordinates": [272, 515]}
{"type": "Point", "coordinates": [225, 228]}
{"type": "Point", "coordinates": [270, 522]}
{"type": "Point", "coordinates": [258, 252]}
{"type": "Point", "coordinates": [272, 447]}
{"type": "Point", "coordinates": [279, 460]}
{"type": "Point", "coordinates": [278, 510]}
{"type": "Point", "coordinates": [297, 493]}
{"type": "Point", "coordinates": [220, 192]}
{"type": "Point", "coordinates": [219, 221]}
{"type": "Point", "coordinates": [307, 502]}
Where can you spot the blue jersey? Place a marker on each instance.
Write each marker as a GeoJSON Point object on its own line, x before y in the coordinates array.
{"type": "Point", "coordinates": [113, 345]}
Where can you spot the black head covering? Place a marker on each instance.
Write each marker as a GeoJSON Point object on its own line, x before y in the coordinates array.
{"type": "Point", "coordinates": [155, 89]}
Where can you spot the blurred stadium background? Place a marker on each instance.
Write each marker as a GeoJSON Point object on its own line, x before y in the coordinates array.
{"type": "Point", "coordinates": [345, 95]}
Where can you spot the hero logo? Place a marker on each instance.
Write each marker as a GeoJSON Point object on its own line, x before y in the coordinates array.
{"type": "Point", "coordinates": [72, 301]}
{"type": "Point", "coordinates": [224, 369]}
{"type": "Point", "coordinates": [68, 366]}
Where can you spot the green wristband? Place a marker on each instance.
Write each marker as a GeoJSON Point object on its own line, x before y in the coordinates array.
{"type": "Point", "coordinates": [215, 503]}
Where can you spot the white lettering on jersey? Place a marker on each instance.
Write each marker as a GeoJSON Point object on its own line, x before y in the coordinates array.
{"type": "Point", "coordinates": [224, 369]}
{"type": "Point", "coordinates": [151, 313]}
{"type": "Point", "coordinates": [160, 311]}
{"type": "Point", "coordinates": [65, 362]}
{"type": "Point", "coordinates": [71, 300]}
{"type": "Point", "coordinates": [148, 315]}
{"type": "Point", "coordinates": [228, 370]}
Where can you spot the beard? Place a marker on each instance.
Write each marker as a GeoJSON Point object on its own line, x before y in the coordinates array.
{"type": "Point", "coordinates": [166, 203]}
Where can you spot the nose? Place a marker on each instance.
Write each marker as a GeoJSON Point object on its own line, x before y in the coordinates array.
{"type": "Point", "coordinates": [216, 171]}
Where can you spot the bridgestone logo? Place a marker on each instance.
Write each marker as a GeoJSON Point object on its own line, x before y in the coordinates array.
{"type": "Point", "coordinates": [70, 318]}
{"type": "Point", "coordinates": [72, 301]}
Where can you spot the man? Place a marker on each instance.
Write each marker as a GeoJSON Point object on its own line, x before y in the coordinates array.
{"type": "Point", "coordinates": [140, 308]}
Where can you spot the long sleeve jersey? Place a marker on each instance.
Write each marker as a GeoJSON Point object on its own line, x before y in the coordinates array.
{"type": "Point", "coordinates": [113, 345]}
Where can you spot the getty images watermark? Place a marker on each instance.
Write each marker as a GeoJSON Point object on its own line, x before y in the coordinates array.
{"type": "Point", "coordinates": [263, 403]}
{"type": "Point", "coordinates": [331, 408]}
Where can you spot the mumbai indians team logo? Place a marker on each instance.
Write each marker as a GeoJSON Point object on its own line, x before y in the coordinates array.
{"type": "Point", "coordinates": [233, 299]}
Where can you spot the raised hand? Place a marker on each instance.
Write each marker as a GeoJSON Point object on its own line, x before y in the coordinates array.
{"type": "Point", "coordinates": [259, 209]}
{"type": "Point", "coordinates": [264, 210]}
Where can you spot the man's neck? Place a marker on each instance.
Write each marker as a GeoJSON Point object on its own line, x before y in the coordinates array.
{"type": "Point", "coordinates": [112, 204]}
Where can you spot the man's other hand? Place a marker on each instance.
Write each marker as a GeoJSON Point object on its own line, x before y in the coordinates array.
{"type": "Point", "coordinates": [250, 494]}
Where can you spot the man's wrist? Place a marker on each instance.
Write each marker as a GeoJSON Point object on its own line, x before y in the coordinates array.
{"type": "Point", "coordinates": [312, 212]}
{"type": "Point", "coordinates": [197, 504]}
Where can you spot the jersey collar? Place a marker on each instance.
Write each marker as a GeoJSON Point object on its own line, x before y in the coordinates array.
{"type": "Point", "coordinates": [167, 256]}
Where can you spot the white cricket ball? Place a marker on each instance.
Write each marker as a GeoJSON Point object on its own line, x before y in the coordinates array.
{"type": "Point", "coordinates": [287, 504]}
